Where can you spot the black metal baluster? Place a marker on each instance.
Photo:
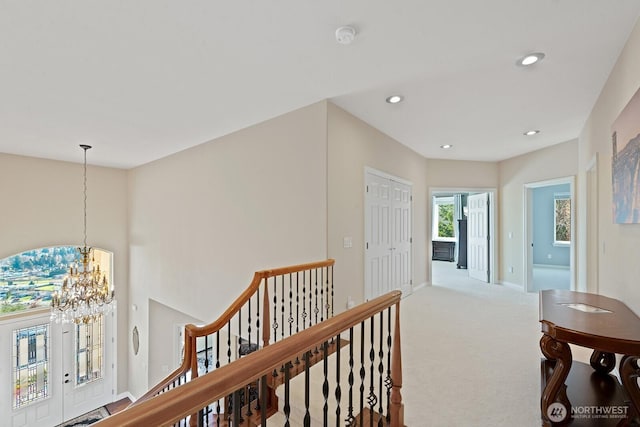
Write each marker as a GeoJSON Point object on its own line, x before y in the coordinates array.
{"type": "Point", "coordinates": [206, 354]}
{"type": "Point", "coordinates": [236, 405]}
{"type": "Point", "coordinates": [290, 304]}
{"type": "Point", "coordinates": [388, 382]}
{"type": "Point", "coordinates": [258, 317]}
{"type": "Point", "coordinates": [310, 297]}
{"type": "Point", "coordinates": [381, 370]}
{"type": "Point", "coordinates": [298, 302]}
{"type": "Point", "coordinates": [275, 310]}
{"type": "Point", "coordinates": [316, 310]}
{"type": "Point", "coordinates": [282, 308]}
{"type": "Point", "coordinates": [239, 333]}
{"type": "Point", "coordinates": [304, 300]}
{"type": "Point", "coordinates": [307, 415]}
{"type": "Point", "coordinates": [229, 342]}
{"type": "Point", "coordinates": [287, 407]}
{"type": "Point", "coordinates": [350, 418]}
{"type": "Point", "coordinates": [325, 384]}
{"type": "Point", "coordinates": [371, 399]}
{"type": "Point", "coordinates": [338, 392]}
{"type": "Point", "coordinates": [362, 370]}
{"type": "Point", "coordinates": [332, 294]}
{"type": "Point", "coordinates": [321, 293]}
{"type": "Point", "coordinates": [249, 325]}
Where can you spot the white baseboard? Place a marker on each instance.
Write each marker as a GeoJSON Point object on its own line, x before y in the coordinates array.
{"type": "Point", "coordinates": [511, 285]}
{"type": "Point", "coordinates": [420, 286]}
{"type": "Point", "coordinates": [123, 395]}
{"type": "Point", "coordinates": [558, 267]}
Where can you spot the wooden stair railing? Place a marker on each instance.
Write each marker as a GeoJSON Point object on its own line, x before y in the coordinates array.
{"type": "Point", "coordinates": [293, 298]}
{"type": "Point", "coordinates": [371, 392]}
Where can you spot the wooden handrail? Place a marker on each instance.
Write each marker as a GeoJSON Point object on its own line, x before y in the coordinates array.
{"type": "Point", "coordinates": [193, 331]}
{"type": "Point", "coordinates": [175, 404]}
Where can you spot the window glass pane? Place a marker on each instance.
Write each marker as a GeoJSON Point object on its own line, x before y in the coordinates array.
{"type": "Point", "coordinates": [28, 280]}
{"type": "Point", "coordinates": [562, 220]}
{"type": "Point", "coordinates": [31, 365]}
{"type": "Point", "coordinates": [89, 351]}
{"type": "Point", "coordinates": [445, 220]}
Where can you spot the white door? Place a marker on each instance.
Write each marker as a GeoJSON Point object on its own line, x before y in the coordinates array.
{"type": "Point", "coordinates": [478, 237]}
{"type": "Point", "coordinates": [44, 380]}
{"type": "Point", "coordinates": [401, 237]}
{"type": "Point", "coordinates": [88, 368]}
{"type": "Point", "coordinates": [387, 236]}
{"type": "Point", "coordinates": [377, 275]}
{"type": "Point", "coordinates": [30, 383]}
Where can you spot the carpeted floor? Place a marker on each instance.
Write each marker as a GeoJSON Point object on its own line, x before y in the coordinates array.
{"type": "Point", "coordinates": [470, 354]}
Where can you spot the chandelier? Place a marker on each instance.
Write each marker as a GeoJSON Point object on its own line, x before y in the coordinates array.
{"type": "Point", "coordinates": [85, 294]}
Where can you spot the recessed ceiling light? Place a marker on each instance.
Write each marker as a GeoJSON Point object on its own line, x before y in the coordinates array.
{"type": "Point", "coordinates": [345, 35]}
{"type": "Point", "coordinates": [394, 99]}
{"type": "Point", "coordinates": [530, 59]}
{"type": "Point", "coordinates": [446, 146]}
{"type": "Point", "coordinates": [531, 132]}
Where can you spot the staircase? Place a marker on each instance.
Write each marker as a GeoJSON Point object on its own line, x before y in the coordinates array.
{"type": "Point", "coordinates": [311, 367]}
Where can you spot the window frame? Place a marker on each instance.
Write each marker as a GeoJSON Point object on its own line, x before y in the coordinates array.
{"type": "Point", "coordinates": [437, 201]}
{"type": "Point", "coordinates": [557, 197]}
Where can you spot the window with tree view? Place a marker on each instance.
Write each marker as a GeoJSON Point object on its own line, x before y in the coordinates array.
{"type": "Point", "coordinates": [443, 218]}
{"type": "Point", "coordinates": [562, 220]}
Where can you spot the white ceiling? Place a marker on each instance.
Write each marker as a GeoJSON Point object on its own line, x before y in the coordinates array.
{"type": "Point", "coordinates": [140, 80]}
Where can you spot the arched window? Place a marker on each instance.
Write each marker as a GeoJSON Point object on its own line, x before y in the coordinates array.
{"type": "Point", "coordinates": [27, 280]}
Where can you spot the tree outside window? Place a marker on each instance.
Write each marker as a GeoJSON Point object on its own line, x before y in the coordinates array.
{"type": "Point", "coordinates": [562, 220]}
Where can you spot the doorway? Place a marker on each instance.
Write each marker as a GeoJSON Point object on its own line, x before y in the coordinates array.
{"type": "Point", "coordinates": [471, 246]}
{"type": "Point", "coordinates": [387, 221]}
{"type": "Point", "coordinates": [549, 229]}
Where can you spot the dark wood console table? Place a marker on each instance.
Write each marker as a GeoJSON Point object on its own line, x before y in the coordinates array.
{"type": "Point", "coordinates": [603, 324]}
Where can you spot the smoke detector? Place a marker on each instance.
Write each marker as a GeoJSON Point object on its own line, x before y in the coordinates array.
{"type": "Point", "coordinates": [345, 35]}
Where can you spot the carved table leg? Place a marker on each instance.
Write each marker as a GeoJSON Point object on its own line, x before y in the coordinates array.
{"type": "Point", "coordinates": [629, 373]}
{"type": "Point", "coordinates": [602, 362]}
{"type": "Point", "coordinates": [554, 404]}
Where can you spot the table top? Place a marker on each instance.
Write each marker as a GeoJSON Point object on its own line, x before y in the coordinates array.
{"type": "Point", "coordinates": [590, 320]}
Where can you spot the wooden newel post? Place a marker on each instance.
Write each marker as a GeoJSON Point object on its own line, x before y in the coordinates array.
{"type": "Point", "coordinates": [396, 406]}
{"type": "Point", "coordinates": [192, 353]}
{"type": "Point", "coordinates": [266, 318]}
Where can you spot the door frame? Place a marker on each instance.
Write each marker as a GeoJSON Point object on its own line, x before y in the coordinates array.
{"type": "Point", "coordinates": [406, 290]}
{"type": "Point", "coordinates": [527, 211]}
{"type": "Point", "coordinates": [493, 225]}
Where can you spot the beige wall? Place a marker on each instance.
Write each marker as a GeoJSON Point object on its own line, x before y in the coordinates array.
{"type": "Point", "coordinates": [557, 161]}
{"type": "Point", "coordinates": [42, 205]}
{"type": "Point", "coordinates": [203, 220]}
{"type": "Point", "coordinates": [354, 145]}
{"type": "Point", "coordinates": [618, 264]}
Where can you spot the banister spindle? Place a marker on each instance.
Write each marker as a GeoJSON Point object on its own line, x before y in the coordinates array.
{"type": "Point", "coordinates": [275, 310]}
{"type": "Point", "coordinates": [258, 316]}
{"type": "Point", "coordinates": [350, 418]}
{"type": "Point", "coordinates": [338, 392]}
{"type": "Point", "coordinates": [297, 302]}
{"type": "Point", "coordinates": [316, 309]}
{"type": "Point", "coordinates": [321, 294]}
{"type": "Point", "coordinates": [304, 300]}
{"type": "Point", "coordinates": [282, 307]}
{"type": "Point", "coordinates": [307, 415]}
{"type": "Point", "coordinates": [229, 342]}
{"type": "Point", "coordinates": [381, 370]}
{"type": "Point", "coordinates": [388, 383]}
{"type": "Point", "coordinates": [325, 384]}
{"type": "Point", "coordinates": [290, 305]}
{"type": "Point", "coordinates": [287, 406]}
{"type": "Point", "coordinates": [371, 398]}
{"type": "Point", "coordinates": [362, 370]}
{"type": "Point", "coordinates": [332, 292]}
{"type": "Point", "coordinates": [266, 327]}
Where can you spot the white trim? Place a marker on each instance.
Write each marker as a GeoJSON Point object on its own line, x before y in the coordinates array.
{"type": "Point", "coordinates": [420, 286]}
{"type": "Point", "coordinates": [124, 395]}
{"type": "Point", "coordinates": [511, 285]}
{"type": "Point", "coordinates": [555, 266]}
{"type": "Point", "coordinates": [368, 169]}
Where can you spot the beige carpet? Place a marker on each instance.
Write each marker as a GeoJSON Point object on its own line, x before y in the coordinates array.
{"type": "Point", "coordinates": [470, 353]}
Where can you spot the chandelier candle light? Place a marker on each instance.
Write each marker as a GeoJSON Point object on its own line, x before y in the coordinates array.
{"type": "Point", "coordinates": [85, 294]}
